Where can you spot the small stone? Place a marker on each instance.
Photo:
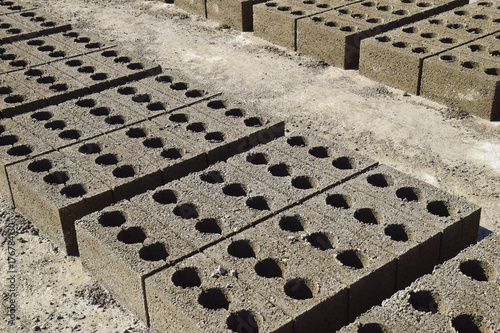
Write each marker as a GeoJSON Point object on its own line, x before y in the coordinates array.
{"type": "Point", "coordinates": [221, 270]}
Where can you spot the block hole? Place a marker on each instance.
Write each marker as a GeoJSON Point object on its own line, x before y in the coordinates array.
{"type": "Point", "coordinates": [331, 24]}
{"type": "Point", "coordinates": [258, 158]}
{"type": "Point", "coordinates": [82, 40]}
{"type": "Point", "coordinates": [35, 42]}
{"type": "Point", "coordinates": [99, 76]}
{"type": "Point", "coordinates": [154, 252]}
{"type": "Point", "coordinates": [46, 80]}
{"type": "Point", "coordinates": [420, 50]}
{"type": "Point", "coordinates": [345, 163]}
{"type": "Point", "coordinates": [258, 203]}
{"type": "Point", "coordinates": [115, 120]}
{"type": "Point", "coordinates": [372, 328]}
{"type": "Point", "coordinates": [21, 150]}
{"type": "Point", "coordinates": [467, 323]}
{"type": "Point", "coordinates": [495, 53]}
{"type": "Point", "coordinates": [212, 177]}
{"type": "Point", "coordinates": [70, 135]}
{"type": "Point", "coordinates": [214, 298]}
{"type": "Point", "coordinates": [297, 141]}
{"type": "Point", "coordinates": [196, 127]}
{"type": "Point", "coordinates": [435, 22]}
{"type": "Point", "coordinates": [339, 201]}
{"type": "Point", "coordinates": [73, 191]}
{"type": "Point", "coordinates": [127, 90]}
{"type": "Point", "coordinates": [320, 152]}
{"type": "Point", "coordinates": [455, 26]}
{"type": "Point", "coordinates": [40, 165]}
{"type": "Point", "coordinates": [122, 60]}
{"type": "Point", "coordinates": [284, 8]}
{"type": "Point", "coordinates": [55, 125]}
{"type": "Point", "coordinates": [480, 17]}
{"type": "Point", "coordinates": [400, 12]}
{"type": "Point", "coordinates": [358, 16]}
{"type": "Point", "coordinates": [46, 48]}
{"type": "Point", "coordinates": [398, 232]}
{"type": "Point", "coordinates": [270, 4]}
{"type": "Point", "coordinates": [124, 171]}
{"type": "Point", "coordinates": [235, 190]}
{"type": "Point", "coordinates": [424, 301]}
{"type": "Point", "coordinates": [242, 248]}
{"type": "Point", "coordinates": [86, 69]}
{"type": "Point", "coordinates": [5, 90]}
{"type": "Point", "coordinates": [253, 122]}
{"type": "Point", "coordinates": [293, 223]}
{"type": "Point", "coordinates": [8, 56]}
{"type": "Point", "coordinates": [380, 180]}
{"type": "Point", "coordinates": [400, 45]}
{"type": "Point", "coordinates": [297, 12]}
{"type": "Point", "coordinates": [71, 34]}
{"type": "Point", "coordinates": [55, 178]}
{"type": "Point", "coordinates": [448, 40]}
{"type": "Point", "coordinates": [300, 289]}
{"type": "Point", "coordinates": [13, 99]}
{"type": "Point", "coordinates": [136, 133]}
{"type": "Point", "coordinates": [89, 149]}
{"type": "Point", "coordinates": [383, 39]}
{"type": "Point", "coordinates": [141, 98]}
{"type": "Point", "coordinates": [461, 13]}
{"type": "Point", "coordinates": [441, 208]}
{"type": "Point", "coordinates": [131, 235]}
{"type": "Point", "coordinates": [367, 216]}
{"type": "Point", "coordinates": [154, 143]}
{"type": "Point", "coordinates": [492, 71]}
{"type": "Point", "coordinates": [93, 45]}
{"type": "Point", "coordinates": [478, 270]}
{"type": "Point", "coordinates": [216, 105]}
{"type": "Point", "coordinates": [374, 20]}
{"type": "Point", "coordinates": [304, 182]}
{"type": "Point", "coordinates": [165, 197]}
{"type": "Point", "coordinates": [107, 159]}
{"type": "Point", "coordinates": [194, 93]}
{"type": "Point", "coordinates": [8, 140]}
{"type": "Point", "coordinates": [484, 4]}
{"type": "Point", "coordinates": [164, 79]}
{"type": "Point", "coordinates": [113, 218]}
{"type": "Point", "coordinates": [236, 113]}
{"type": "Point", "coordinates": [187, 277]}
{"type": "Point", "coordinates": [475, 31]}
{"type": "Point", "coordinates": [321, 241]}
{"type": "Point", "coordinates": [447, 58]}
{"type": "Point", "coordinates": [59, 87]}
{"type": "Point", "coordinates": [384, 8]}
{"type": "Point", "coordinates": [215, 137]}
{"type": "Point", "coordinates": [186, 211]}
{"type": "Point", "coordinates": [353, 259]}
{"type": "Point", "coordinates": [244, 321]}
{"type": "Point", "coordinates": [172, 153]}
{"type": "Point", "coordinates": [100, 111]}
{"type": "Point", "coordinates": [57, 54]}
{"type": "Point", "coordinates": [179, 86]}
{"type": "Point", "coordinates": [269, 268]}
{"type": "Point", "coordinates": [18, 63]}
{"type": "Point", "coordinates": [86, 103]}
{"type": "Point", "coordinates": [156, 106]}
{"type": "Point", "coordinates": [410, 30]}
{"type": "Point", "coordinates": [409, 194]}
{"type": "Point", "coordinates": [14, 31]}
{"type": "Point", "coordinates": [208, 226]}
{"type": "Point", "coordinates": [424, 4]}
{"type": "Point", "coordinates": [179, 118]}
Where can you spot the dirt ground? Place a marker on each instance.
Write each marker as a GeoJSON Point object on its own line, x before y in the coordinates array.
{"type": "Point", "coordinates": [445, 147]}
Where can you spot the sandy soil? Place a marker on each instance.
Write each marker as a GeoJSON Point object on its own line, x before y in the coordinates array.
{"type": "Point", "coordinates": [445, 147]}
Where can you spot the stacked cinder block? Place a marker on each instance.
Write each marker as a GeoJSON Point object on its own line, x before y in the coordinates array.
{"type": "Point", "coordinates": [459, 296]}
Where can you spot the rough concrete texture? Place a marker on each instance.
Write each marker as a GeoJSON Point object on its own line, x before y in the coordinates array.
{"type": "Point", "coordinates": [197, 295]}
{"type": "Point", "coordinates": [464, 79]}
{"type": "Point", "coordinates": [457, 219]}
{"type": "Point", "coordinates": [198, 7]}
{"type": "Point", "coordinates": [199, 221]}
{"type": "Point", "coordinates": [53, 192]}
{"type": "Point", "coordinates": [7, 7]}
{"type": "Point", "coordinates": [316, 301]}
{"type": "Point", "coordinates": [16, 56]}
{"type": "Point", "coordinates": [17, 98]}
{"type": "Point", "coordinates": [120, 245]}
{"type": "Point", "coordinates": [235, 13]}
{"type": "Point", "coordinates": [379, 319]}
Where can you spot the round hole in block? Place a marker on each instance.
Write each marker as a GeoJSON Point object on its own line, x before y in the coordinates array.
{"type": "Point", "coordinates": [208, 226]}
{"type": "Point", "coordinates": [353, 259]}
{"type": "Point", "coordinates": [164, 79]}
{"type": "Point", "coordinates": [215, 137]}
{"type": "Point", "coordinates": [172, 153]}
{"type": "Point", "coordinates": [86, 69]}
{"type": "Point", "coordinates": [372, 328]}
{"type": "Point", "coordinates": [428, 35]}
{"type": "Point", "coordinates": [8, 140]}
{"type": "Point", "coordinates": [57, 54]}
{"type": "Point", "coordinates": [280, 170]}
{"type": "Point", "coordinates": [93, 45]}
{"type": "Point", "coordinates": [135, 66]}
{"type": "Point", "coordinates": [244, 321]}
{"type": "Point", "coordinates": [41, 116]}
{"type": "Point", "coordinates": [154, 252]}
{"type": "Point", "coordinates": [59, 87]}
{"type": "Point", "coordinates": [194, 93]}
{"type": "Point", "coordinates": [344, 11]}
{"type": "Point", "coordinates": [374, 20]}
{"type": "Point", "coordinates": [320, 152]}
{"type": "Point", "coordinates": [253, 122]}
{"type": "Point", "coordinates": [57, 177]}
{"type": "Point", "coordinates": [455, 26]}
{"type": "Point", "coordinates": [187, 277]}
{"type": "Point", "coordinates": [13, 99]}
{"type": "Point", "coordinates": [136, 133]}
{"type": "Point", "coordinates": [477, 270]}
{"type": "Point", "coordinates": [448, 40]}
{"type": "Point", "coordinates": [258, 203]}
{"type": "Point", "coordinates": [321, 241]}
{"type": "Point", "coordinates": [383, 39]}
{"type": "Point", "coordinates": [141, 98]}
{"type": "Point", "coordinates": [447, 58]}
{"type": "Point", "coordinates": [5, 90]}
{"type": "Point", "coordinates": [480, 17]}
{"type": "Point", "coordinates": [179, 118]}
{"type": "Point", "coordinates": [269, 268]}
{"type": "Point", "coordinates": [124, 171]}
{"type": "Point", "coordinates": [380, 180]}
{"type": "Point", "coordinates": [424, 301]}
{"type": "Point", "coordinates": [300, 289]}
{"type": "Point", "coordinates": [42, 165]}
{"type": "Point", "coordinates": [347, 29]}
{"type": "Point", "coordinates": [409, 194]}
{"type": "Point", "coordinates": [358, 16]}
{"type": "Point", "coordinates": [339, 201]}
{"type": "Point", "coordinates": [271, 4]}
{"type": "Point", "coordinates": [344, 163]}
{"type": "Point", "coordinates": [70, 134]}
{"type": "Point", "coordinates": [384, 8]}
{"type": "Point", "coordinates": [186, 211]}
{"type": "Point", "coordinates": [107, 159]}
{"type": "Point", "coordinates": [35, 42]}
{"type": "Point", "coordinates": [441, 208]}
{"type": "Point", "coordinates": [297, 12]}
{"type": "Point", "coordinates": [131, 235]}
{"type": "Point", "coordinates": [308, 2]}
{"type": "Point", "coordinates": [369, 4]}
{"type": "Point", "coordinates": [8, 56]}
{"type": "Point", "coordinates": [294, 223]}
{"type": "Point", "coordinates": [90, 148]}
{"type": "Point", "coordinates": [214, 298]}
{"type": "Point", "coordinates": [100, 111]}
{"type": "Point", "coordinates": [82, 40]}
{"type": "Point", "coordinates": [86, 103]}
{"type": "Point", "coordinates": [21, 150]}
{"type": "Point", "coordinates": [420, 50]}
{"type": "Point", "coordinates": [165, 197]}
{"type": "Point", "coordinates": [127, 90]}
{"type": "Point", "coordinates": [14, 31]}
{"type": "Point", "coordinates": [242, 248]}
{"type": "Point", "coordinates": [154, 143]}
{"type": "Point", "coordinates": [367, 216]}
{"type": "Point", "coordinates": [113, 218]}
{"type": "Point", "coordinates": [212, 177]}
{"type": "Point", "coordinates": [323, 5]}
{"type": "Point", "coordinates": [398, 232]}
{"type": "Point", "coordinates": [46, 48]}
{"type": "Point", "coordinates": [216, 105]}
{"type": "Point", "coordinates": [492, 71]}
{"type": "Point", "coordinates": [179, 86]}
{"type": "Point", "coordinates": [257, 158]}
{"type": "Point", "coordinates": [461, 12]}
{"type": "Point", "coordinates": [73, 191]}
{"type": "Point", "coordinates": [46, 80]}
{"type": "Point", "coordinates": [424, 4]}
{"type": "Point", "coordinates": [99, 76]}
{"type": "Point", "coordinates": [400, 45]}
{"type": "Point", "coordinates": [55, 125]}
{"type": "Point", "coordinates": [156, 106]}
{"type": "Point", "coordinates": [236, 113]}
{"type": "Point", "coordinates": [304, 182]}
{"type": "Point", "coordinates": [235, 190]}
{"type": "Point", "coordinates": [484, 4]}
{"type": "Point", "coordinates": [495, 53]}
{"type": "Point", "coordinates": [18, 63]}
{"type": "Point", "coordinates": [71, 34]}
{"type": "Point", "coordinates": [468, 323]}
{"type": "Point", "coordinates": [196, 127]}
{"type": "Point", "coordinates": [475, 31]}
{"type": "Point", "coordinates": [284, 8]}
{"type": "Point", "coordinates": [400, 12]}
{"type": "Point", "coordinates": [297, 141]}
{"type": "Point", "coordinates": [114, 120]}
{"type": "Point", "coordinates": [331, 24]}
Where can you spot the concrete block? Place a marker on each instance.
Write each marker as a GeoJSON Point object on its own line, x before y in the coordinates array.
{"type": "Point", "coordinates": [7, 7]}
{"type": "Point", "coordinates": [80, 42]}
{"type": "Point", "coordinates": [250, 200]}
{"type": "Point", "coordinates": [14, 57]}
{"type": "Point", "coordinates": [193, 297]}
{"type": "Point", "coordinates": [52, 192]}
{"type": "Point", "coordinates": [457, 219]}
{"type": "Point", "coordinates": [316, 301]}
{"type": "Point", "coordinates": [121, 245]}
{"type": "Point", "coordinates": [16, 97]}
{"type": "Point", "coordinates": [235, 13]}
{"type": "Point", "coordinates": [116, 165]}
{"type": "Point", "coordinates": [197, 7]}
{"type": "Point", "coordinates": [379, 319]}
{"type": "Point", "coordinates": [490, 244]}
{"type": "Point", "coordinates": [188, 213]}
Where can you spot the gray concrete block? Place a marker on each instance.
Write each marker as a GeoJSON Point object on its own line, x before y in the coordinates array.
{"type": "Point", "coordinates": [235, 13]}
{"type": "Point", "coordinates": [379, 319]}
{"type": "Point", "coordinates": [7, 7]}
{"type": "Point", "coordinates": [116, 165]}
{"type": "Point", "coordinates": [316, 301]}
{"type": "Point", "coordinates": [193, 297]}
{"type": "Point", "coordinates": [121, 245]}
{"type": "Point", "coordinates": [457, 219]}
{"type": "Point", "coordinates": [52, 192]}
{"type": "Point", "coordinates": [13, 57]}
{"type": "Point", "coordinates": [16, 97]}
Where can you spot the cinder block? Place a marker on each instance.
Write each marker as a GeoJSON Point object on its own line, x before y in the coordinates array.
{"type": "Point", "coordinates": [193, 296]}
{"type": "Point", "coordinates": [491, 244]}
{"type": "Point", "coordinates": [80, 42]}
{"type": "Point", "coordinates": [116, 165]}
{"type": "Point", "coordinates": [316, 301]}
{"type": "Point", "coordinates": [121, 245]}
{"type": "Point", "coordinates": [14, 57]}
{"type": "Point", "coordinates": [52, 192]}
{"type": "Point", "coordinates": [348, 257]}
{"type": "Point", "coordinates": [457, 219]}
{"type": "Point", "coordinates": [16, 97]}
{"type": "Point", "coordinates": [379, 319]}
{"type": "Point", "coordinates": [235, 13]}
{"type": "Point", "coordinates": [7, 7]}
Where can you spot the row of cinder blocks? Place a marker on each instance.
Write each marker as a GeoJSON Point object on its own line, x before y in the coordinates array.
{"type": "Point", "coordinates": [460, 295]}
{"type": "Point", "coordinates": [300, 224]}
{"type": "Point", "coordinates": [441, 58]}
